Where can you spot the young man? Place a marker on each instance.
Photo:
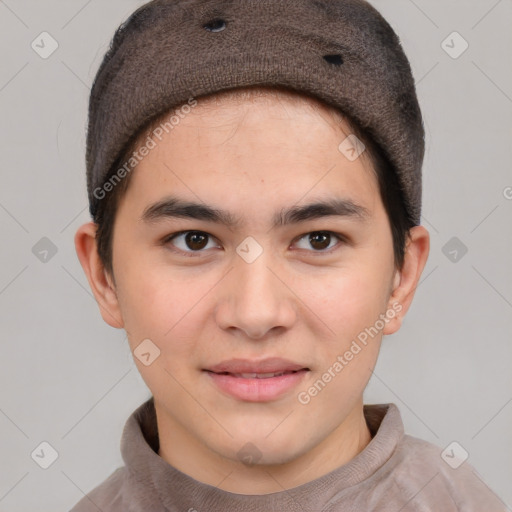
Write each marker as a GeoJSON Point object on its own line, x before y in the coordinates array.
{"type": "Point", "coordinates": [254, 176]}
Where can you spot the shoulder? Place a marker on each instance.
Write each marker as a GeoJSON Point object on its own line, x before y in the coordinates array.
{"type": "Point", "coordinates": [106, 497]}
{"type": "Point", "coordinates": [432, 476]}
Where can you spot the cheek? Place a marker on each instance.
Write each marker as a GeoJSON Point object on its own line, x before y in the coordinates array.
{"type": "Point", "coordinates": [347, 300]}
{"type": "Point", "coordinates": [173, 309]}
{"type": "Point", "coordinates": [158, 304]}
{"type": "Point", "coordinates": [350, 304]}
{"type": "Point", "coordinates": [166, 310]}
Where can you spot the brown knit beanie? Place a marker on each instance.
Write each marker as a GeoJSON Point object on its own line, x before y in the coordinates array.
{"type": "Point", "coordinates": [340, 51]}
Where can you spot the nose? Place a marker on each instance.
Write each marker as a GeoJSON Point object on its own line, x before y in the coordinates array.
{"type": "Point", "coordinates": [257, 298]}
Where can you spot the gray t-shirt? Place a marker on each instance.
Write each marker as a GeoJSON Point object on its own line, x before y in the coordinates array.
{"type": "Point", "coordinates": [394, 473]}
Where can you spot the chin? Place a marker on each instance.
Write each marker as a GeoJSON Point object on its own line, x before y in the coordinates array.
{"type": "Point", "coordinates": [258, 450]}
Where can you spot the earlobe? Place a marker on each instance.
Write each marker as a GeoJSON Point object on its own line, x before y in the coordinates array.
{"type": "Point", "coordinates": [100, 282]}
{"type": "Point", "coordinates": [406, 280]}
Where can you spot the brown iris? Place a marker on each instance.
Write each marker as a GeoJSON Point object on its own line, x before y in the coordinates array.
{"type": "Point", "coordinates": [320, 240]}
{"type": "Point", "coordinates": [196, 240]}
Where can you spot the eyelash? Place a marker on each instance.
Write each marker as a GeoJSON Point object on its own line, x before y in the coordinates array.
{"type": "Point", "coordinates": [192, 254]}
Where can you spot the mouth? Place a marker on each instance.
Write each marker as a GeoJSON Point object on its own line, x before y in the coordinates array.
{"type": "Point", "coordinates": [261, 381]}
{"type": "Point", "coordinates": [259, 375]}
{"type": "Point", "coordinates": [269, 366]}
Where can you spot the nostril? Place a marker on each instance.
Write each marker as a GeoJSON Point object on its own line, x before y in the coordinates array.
{"type": "Point", "coordinates": [215, 25]}
{"type": "Point", "coordinates": [336, 59]}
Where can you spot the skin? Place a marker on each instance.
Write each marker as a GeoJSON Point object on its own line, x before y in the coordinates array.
{"type": "Point", "coordinates": [297, 300]}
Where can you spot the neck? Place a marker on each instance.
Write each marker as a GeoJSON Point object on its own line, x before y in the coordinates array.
{"type": "Point", "coordinates": [181, 449]}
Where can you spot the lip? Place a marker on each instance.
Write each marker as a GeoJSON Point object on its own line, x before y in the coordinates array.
{"type": "Point", "coordinates": [268, 365]}
{"type": "Point", "coordinates": [226, 377]}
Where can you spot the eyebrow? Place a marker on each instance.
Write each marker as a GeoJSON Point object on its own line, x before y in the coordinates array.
{"type": "Point", "coordinates": [174, 207]}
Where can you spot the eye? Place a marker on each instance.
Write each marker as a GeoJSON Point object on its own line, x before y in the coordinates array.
{"type": "Point", "coordinates": [189, 241]}
{"type": "Point", "coordinates": [320, 240]}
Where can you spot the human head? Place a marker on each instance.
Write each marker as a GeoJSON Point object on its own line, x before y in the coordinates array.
{"type": "Point", "coordinates": [254, 157]}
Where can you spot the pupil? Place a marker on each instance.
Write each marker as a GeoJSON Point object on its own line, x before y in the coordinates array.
{"type": "Point", "coordinates": [193, 240]}
{"type": "Point", "coordinates": [323, 237]}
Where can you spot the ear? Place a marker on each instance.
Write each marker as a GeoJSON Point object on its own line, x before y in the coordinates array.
{"type": "Point", "coordinates": [406, 280]}
{"type": "Point", "coordinates": [101, 283]}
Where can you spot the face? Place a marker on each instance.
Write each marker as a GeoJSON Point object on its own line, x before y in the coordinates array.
{"type": "Point", "coordinates": [284, 286]}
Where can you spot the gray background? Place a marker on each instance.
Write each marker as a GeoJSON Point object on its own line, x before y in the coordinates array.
{"type": "Point", "coordinates": [69, 379]}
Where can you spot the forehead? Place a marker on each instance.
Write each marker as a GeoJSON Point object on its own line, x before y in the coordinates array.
{"type": "Point", "coordinates": [230, 103]}
{"type": "Point", "coordinates": [237, 141]}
